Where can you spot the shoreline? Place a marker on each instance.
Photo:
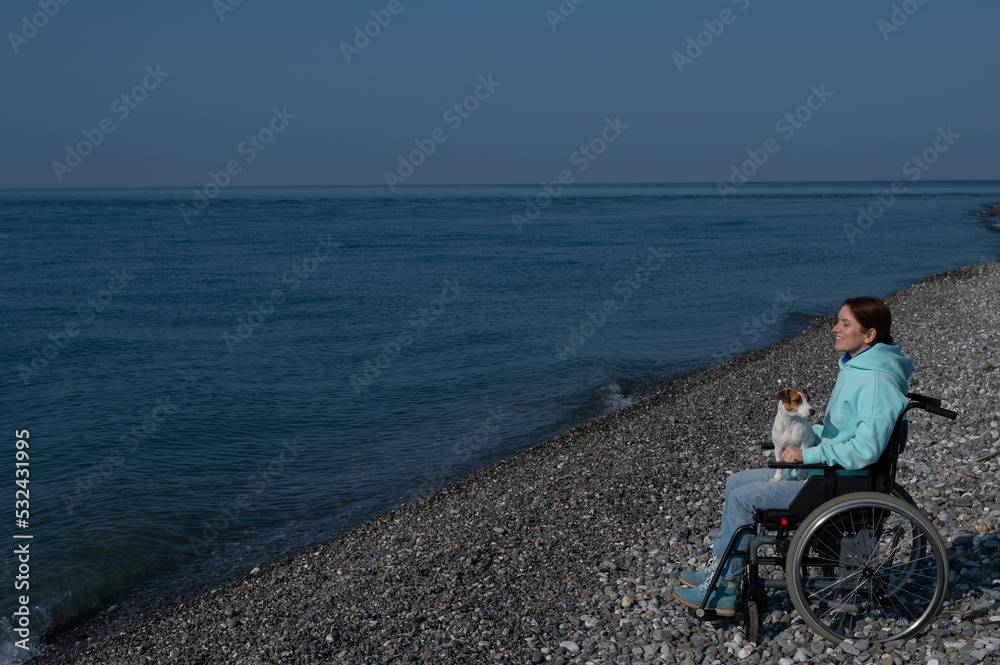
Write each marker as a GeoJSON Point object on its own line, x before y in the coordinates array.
{"type": "Point", "coordinates": [593, 511]}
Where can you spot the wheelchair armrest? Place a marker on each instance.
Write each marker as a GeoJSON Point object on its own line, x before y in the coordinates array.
{"type": "Point", "coordinates": [799, 465]}
{"type": "Point", "coordinates": [767, 445]}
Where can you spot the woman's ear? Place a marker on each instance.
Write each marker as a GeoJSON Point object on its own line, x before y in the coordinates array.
{"type": "Point", "coordinates": [870, 336]}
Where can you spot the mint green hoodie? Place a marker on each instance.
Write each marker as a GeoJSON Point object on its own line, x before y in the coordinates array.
{"type": "Point", "coordinates": [869, 395]}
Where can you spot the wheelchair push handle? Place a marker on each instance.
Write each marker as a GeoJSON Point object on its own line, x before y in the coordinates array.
{"type": "Point", "coordinates": [923, 399]}
{"type": "Point", "coordinates": [930, 405]}
{"type": "Point", "coordinates": [938, 411]}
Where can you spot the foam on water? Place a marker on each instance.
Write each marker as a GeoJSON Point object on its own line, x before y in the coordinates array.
{"type": "Point", "coordinates": [611, 397]}
{"type": "Point", "coordinates": [12, 651]}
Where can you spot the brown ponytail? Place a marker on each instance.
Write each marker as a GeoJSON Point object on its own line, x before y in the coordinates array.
{"type": "Point", "coordinates": [871, 312]}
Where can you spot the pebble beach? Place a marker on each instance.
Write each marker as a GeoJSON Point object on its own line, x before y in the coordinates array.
{"type": "Point", "coordinates": [568, 552]}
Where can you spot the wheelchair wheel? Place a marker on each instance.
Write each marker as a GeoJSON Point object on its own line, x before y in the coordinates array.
{"type": "Point", "coordinates": [867, 566]}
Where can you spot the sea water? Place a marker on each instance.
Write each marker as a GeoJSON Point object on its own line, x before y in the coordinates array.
{"type": "Point", "coordinates": [207, 393]}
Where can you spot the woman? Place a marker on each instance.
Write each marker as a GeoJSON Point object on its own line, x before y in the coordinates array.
{"type": "Point", "coordinates": [869, 395]}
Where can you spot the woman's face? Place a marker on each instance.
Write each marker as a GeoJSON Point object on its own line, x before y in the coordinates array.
{"type": "Point", "coordinates": [851, 338]}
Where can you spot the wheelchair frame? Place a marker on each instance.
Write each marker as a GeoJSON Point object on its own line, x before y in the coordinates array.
{"type": "Point", "coordinates": [821, 499]}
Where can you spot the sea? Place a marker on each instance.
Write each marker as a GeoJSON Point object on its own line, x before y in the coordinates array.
{"type": "Point", "coordinates": [194, 387]}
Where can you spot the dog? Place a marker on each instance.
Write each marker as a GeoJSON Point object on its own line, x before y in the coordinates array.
{"type": "Point", "coordinates": [791, 425]}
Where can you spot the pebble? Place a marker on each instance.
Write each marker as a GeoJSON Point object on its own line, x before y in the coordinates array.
{"type": "Point", "coordinates": [432, 581]}
{"type": "Point", "coordinates": [849, 648]}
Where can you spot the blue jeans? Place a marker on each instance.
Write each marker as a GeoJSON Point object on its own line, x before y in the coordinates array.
{"type": "Point", "coordinates": [747, 492]}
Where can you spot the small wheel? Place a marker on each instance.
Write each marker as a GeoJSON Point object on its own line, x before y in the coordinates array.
{"type": "Point", "coordinates": [700, 613]}
{"type": "Point", "coordinates": [751, 621]}
{"type": "Point", "coordinates": [762, 602]}
{"type": "Point", "coordinates": [867, 565]}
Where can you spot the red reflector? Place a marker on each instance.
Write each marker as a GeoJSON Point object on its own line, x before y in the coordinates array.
{"type": "Point", "coordinates": [784, 521]}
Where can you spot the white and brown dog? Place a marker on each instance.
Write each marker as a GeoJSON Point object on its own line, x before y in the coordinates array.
{"type": "Point", "coordinates": [791, 425]}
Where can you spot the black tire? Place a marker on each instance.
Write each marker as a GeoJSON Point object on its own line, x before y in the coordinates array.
{"type": "Point", "coordinates": [751, 621]}
{"type": "Point", "coordinates": [867, 566]}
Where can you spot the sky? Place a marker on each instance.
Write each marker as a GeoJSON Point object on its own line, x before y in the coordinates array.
{"type": "Point", "coordinates": [141, 93]}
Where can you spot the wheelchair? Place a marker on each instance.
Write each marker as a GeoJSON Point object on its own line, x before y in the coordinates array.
{"type": "Point", "coordinates": [860, 560]}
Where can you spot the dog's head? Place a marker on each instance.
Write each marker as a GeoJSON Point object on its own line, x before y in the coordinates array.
{"type": "Point", "coordinates": [796, 402]}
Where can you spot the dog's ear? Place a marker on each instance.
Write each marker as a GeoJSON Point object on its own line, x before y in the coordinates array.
{"type": "Point", "coordinates": [785, 396]}
{"type": "Point", "coordinates": [806, 393]}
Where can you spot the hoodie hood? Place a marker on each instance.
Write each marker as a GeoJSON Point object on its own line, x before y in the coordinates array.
{"type": "Point", "coordinates": [886, 358]}
{"type": "Point", "coordinates": [869, 395]}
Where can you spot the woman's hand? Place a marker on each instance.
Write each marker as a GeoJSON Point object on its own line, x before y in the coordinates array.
{"type": "Point", "coordinates": [791, 455]}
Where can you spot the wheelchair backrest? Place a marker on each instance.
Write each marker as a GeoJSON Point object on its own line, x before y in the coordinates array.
{"type": "Point", "coordinates": [882, 474]}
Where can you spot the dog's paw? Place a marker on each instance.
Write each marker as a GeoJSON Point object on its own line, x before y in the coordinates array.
{"type": "Point", "coordinates": [774, 480]}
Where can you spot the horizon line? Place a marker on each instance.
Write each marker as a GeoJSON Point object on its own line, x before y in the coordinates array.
{"type": "Point", "coordinates": [575, 185]}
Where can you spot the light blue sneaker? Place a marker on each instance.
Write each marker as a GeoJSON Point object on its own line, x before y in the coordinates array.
{"type": "Point", "coordinates": [724, 601]}
{"type": "Point", "coordinates": [695, 578]}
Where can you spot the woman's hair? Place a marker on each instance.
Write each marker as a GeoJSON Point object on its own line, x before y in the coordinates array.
{"type": "Point", "coordinates": [871, 312]}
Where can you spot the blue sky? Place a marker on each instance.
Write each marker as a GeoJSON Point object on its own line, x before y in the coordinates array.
{"type": "Point", "coordinates": [221, 79]}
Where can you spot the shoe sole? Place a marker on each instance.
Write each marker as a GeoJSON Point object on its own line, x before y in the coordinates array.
{"type": "Point", "coordinates": [721, 611]}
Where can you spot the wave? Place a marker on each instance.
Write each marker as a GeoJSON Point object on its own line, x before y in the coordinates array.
{"type": "Point", "coordinates": [13, 654]}
{"type": "Point", "coordinates": [610, 397]}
